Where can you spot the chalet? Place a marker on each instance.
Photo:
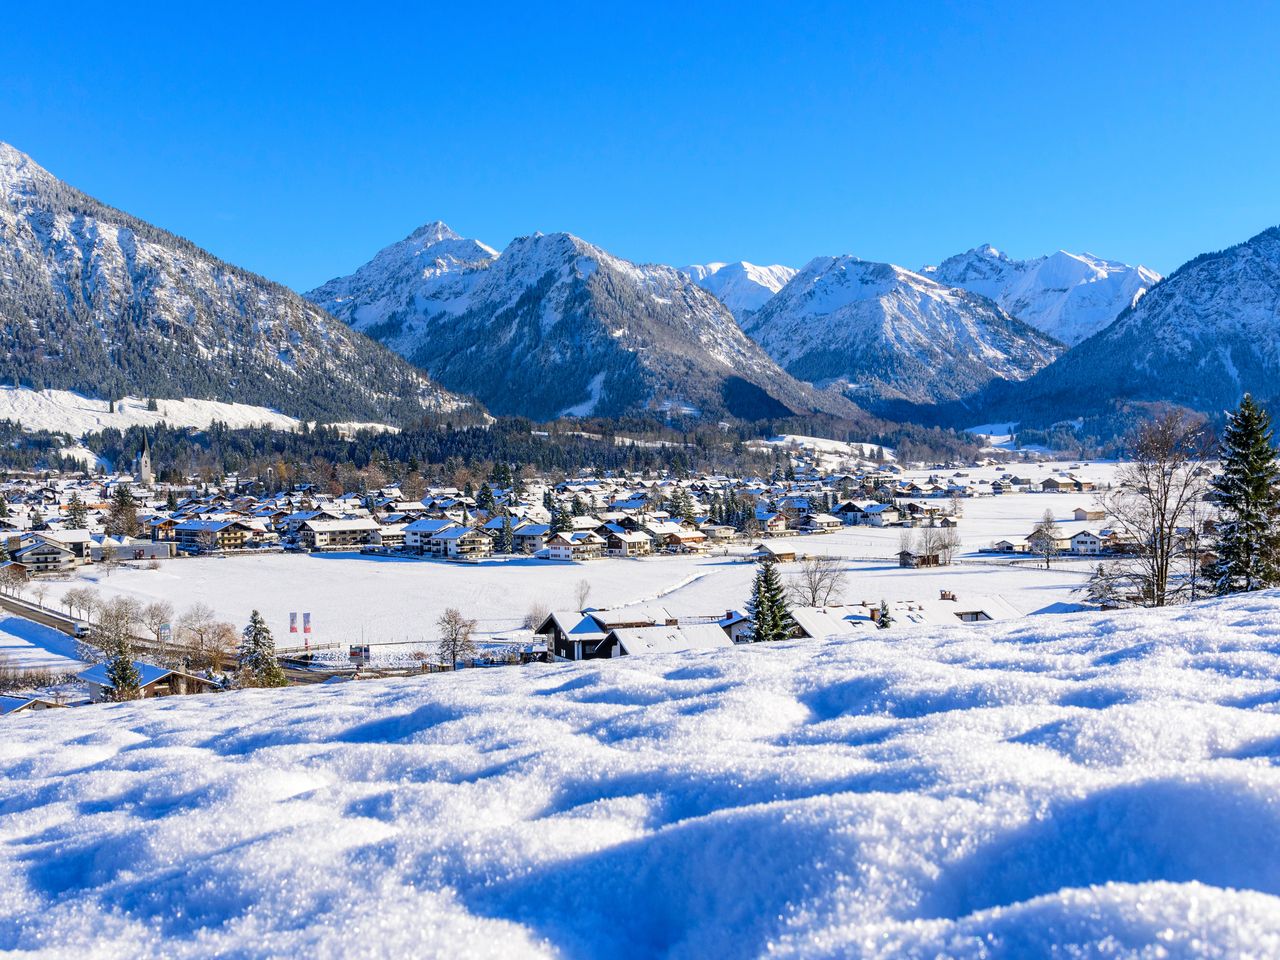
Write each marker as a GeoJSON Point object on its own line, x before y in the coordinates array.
{"type": "Point", "coordinates": [820, 523]}
{"type": "Point", "coordinates": [532, 537]}
{"type": "Point", "coordinates": [737, 625]}
{"type": "Point", "coordinates": [1085, 544]}
{"type": "Point", "coordinates": [79, 542]}
{"type": "Point", "coordinates": [321, 535]}
{"type": "Point", "coordinates": [634, 641]}
{"type": "Point", "coordinates": [418, 534]}
{"type": "Point", "coordinates": [575, 545]}
{"type": "Point", "coordinates": [153, 682]}
{"type": "Point", "coordinates": [911, 560]}
{"type": "Point", "coordinates": [45, 556]}
{"type": "Point", "coordinates": [627, 543]}
{"type": "Point", "coordinates": [1083, 513]}
{"type": "Point", "coordinates": [771, 552]}
{"type": "Point", "coordinates": [685, 541]}
{"type": "Point", "coordinates": [461, 543]}
{"type": "Point", "coordinates": [581, 636]}
{"type": "Point", "coordinates": [881, 514]}
{"type": "Point", "coordinates": [210, 536]}
{"type": "Point", "coordinates": [10, 704]}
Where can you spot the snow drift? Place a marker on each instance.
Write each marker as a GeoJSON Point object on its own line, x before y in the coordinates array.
{"type": "Point", "coordinates": [1096, 784]}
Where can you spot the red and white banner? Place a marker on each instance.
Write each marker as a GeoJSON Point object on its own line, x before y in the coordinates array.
{"type": "Point", "coordinates": [293, 623]}
{"type": "Point", "coordinates": [306, 623]}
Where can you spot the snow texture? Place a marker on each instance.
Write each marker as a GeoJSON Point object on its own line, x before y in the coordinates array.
{"type": "Point", "coordinates": [742, 287]}
{"type": "Point", "coordinates": [1096, 785]}
{"type": "Point", "coordinates": [1069, 296]}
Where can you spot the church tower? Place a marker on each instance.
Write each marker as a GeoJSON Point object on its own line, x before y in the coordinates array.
{"type": "Point", "coordinates": [142, 472]}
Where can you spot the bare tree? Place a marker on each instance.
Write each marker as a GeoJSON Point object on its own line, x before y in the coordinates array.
{"type": "Point", "coordinates": [113, 633]}
{"type": "Point", "coordinates": [1157, 491]}
{"type": "Point", "coordinates": [581, 591]}
{"type": "Point", "coordinates": [957, 504]}
{"type": "Point", "coordinates": [931, 541]}
{"type": "Point", "coordinates": [818, 581]}
{"type": "Point", "coordinates": [456, 642]}
{"type": "Point", "coordinates": [908, 542]}
{"type": "Point", "coordinates": [1045, 537]}
{"type": "Point", "coordinates": [209, 642]}
{"type": "Point", "coordinates": [155, 616]}
{"type": "Point", "coordinates": [948, 544]}
{"type": "Point", "coordinates": [40, 590]}
{"type": "Point", "coordinates": [536, 614]}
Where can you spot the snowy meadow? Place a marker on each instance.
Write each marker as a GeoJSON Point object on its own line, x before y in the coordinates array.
{"type": "Point", "coordinates": [1083, 785]}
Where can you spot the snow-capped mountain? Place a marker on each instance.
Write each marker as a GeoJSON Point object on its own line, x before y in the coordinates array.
{"type": "Point", "coordinates": [1069, 296]}
{"type": "Point", "coordinates": [742, 287]}
{"type": "Point", "coordinates": [555, 325]}
{"type": "Point", "coordinates": [99, 302]}
{"type": "Point", "coordinates": [885, 333]}
{"type": "Point", "coordinates": [1201, 337]}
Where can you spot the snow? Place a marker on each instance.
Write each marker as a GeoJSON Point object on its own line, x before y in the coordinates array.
{"type": "Point", "coordinates": [62, 411]}
{"type": "Point", "coordinates": [742, 287]}
{"type": "Point", "coordinates": [1095, 785]}
{"type": "Point", "coordinates": [25, 645]}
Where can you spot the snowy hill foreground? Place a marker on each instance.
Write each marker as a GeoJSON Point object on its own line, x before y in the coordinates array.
{"type": "Point", "coordinates": [1100, 785]}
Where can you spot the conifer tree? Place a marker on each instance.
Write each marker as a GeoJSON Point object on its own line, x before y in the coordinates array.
{"type": "Point", "coordinates": [77, 514]}
{"type": "Point", "coordinates": [122, 519]}
{"type": "Point", "coordinates": [770, 615]}
{"type": "Point", "coordinates": [257, 655]}
{"type": "Point", "coordinates": [560, 520]}
{"type": "Point", "coordinates": [484, 499]}
{"type": "Point", "coordinates": [125, 680]}
{"type": "Point", "coordinates": [4, 507]}
{"type": "Point", "coordinates": [885, 620]}
{"type": "Point", "coordinates": [506, 536]}
{"type": "Point", "coordinates": [1248, 494]}
{"type": "Point", "coordinates": [171, 502]}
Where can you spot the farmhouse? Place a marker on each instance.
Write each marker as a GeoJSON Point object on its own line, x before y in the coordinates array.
{"type": "Point", "coordinates": [153, 682]}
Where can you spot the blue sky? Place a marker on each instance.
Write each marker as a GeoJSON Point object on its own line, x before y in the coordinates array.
{"type": "Point", "coordinates": [298, 142]}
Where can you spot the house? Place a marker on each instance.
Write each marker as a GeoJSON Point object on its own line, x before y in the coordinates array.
{"type": "Point", "coordinates": [1085, 544]}
{"type": "Point", "coordinates": [1082, 513]}
{"type": "Point", "coordinates": [634, 641]}
{"type": "Point", "coordinates": [771, 522]}
{"type": "Point", "coordinates": [418, 534]}
{"type": "Point", "coordinates": [45, 556]}
{"type": "Point", "coordinates": [153, 682]}
{"type": "Point", "coordinates": [910, 559]}
{"type": "Point", "coordinates": [208, 536]}
{"type": "Point", "coordinates": [773, 552]}
{"type": "Point", "coordinates": [627, 543]}
{"type": "Point", "coordinates": [461, 543]}
{"type": "Point", "coordinates": [685, 541]}
{"type": "Point", "coordinates": [821, 523]}
{"type": "Point", "coordinates": [575, 545]}
{"type": "Point", "coordinates": [881, 514]}
{"type": "Point", "coordinates": [320, 535]}
{"type": "Point", "coordinates": [532, 537]}
{"type": "Point", "coordinates": [737, 625]}
{"type": "Point", "coordinates": [581, 636]}
{"type": "Point", "coordinates": [10, 704]}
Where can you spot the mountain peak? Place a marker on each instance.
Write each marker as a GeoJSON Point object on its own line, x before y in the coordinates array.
{"type": "Point", "coordinates": [434, 232]}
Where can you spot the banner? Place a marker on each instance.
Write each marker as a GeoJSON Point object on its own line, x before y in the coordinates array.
{"type": "Point", "coordinates": [306, 622]}
{"type": "Point", "coordinates": [293, 622]}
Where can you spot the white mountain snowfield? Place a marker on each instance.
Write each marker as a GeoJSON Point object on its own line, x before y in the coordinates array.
{"type": "Point", "coordinates": [887, 332]}
{"type": "Point", "coordinates": [742, 287]}
{"type": "Point", "coordinates": [1069, 296]}
{"type": "Point", "coordinates": [1089, 785]}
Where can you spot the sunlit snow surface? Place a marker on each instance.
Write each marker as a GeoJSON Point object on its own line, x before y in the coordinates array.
{"type": "Point", "coordinates": [1102, 784]}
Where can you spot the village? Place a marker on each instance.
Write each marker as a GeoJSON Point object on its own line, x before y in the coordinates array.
{"type": "Point", "coordinates": [580, 568]}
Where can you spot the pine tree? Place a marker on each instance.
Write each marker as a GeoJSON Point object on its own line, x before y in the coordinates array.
{"type": "Point", "coordinates": [506, 536]}
{"type": "Point", "coordinates": [560, 521]}
{"type": "Point", "coordinates": [122, 519]}
{"type": "Point", "coordinates": [257, 655]}
{"type": "Point", "coordinates": [770, 616]}
{"type": "Point", "coordinates": [125, 680]}
{"type": "Point", "coordinates": [484, 499]}
{"type": "Point", "coordinates": [4, 507]}
{"type": "Point", "coordinates": [77, 513]}
{"type": "Point", "coordinates": [171, 502]}
{"type": "Point", "coordinates": [885, 620]}
{"type": "Point", "coordinates": [1248, 494]}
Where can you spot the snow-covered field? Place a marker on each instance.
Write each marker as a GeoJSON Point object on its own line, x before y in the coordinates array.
{"type": "Point", "coordinates": [1089, 785]}
{"type": "Point", "coordinates": [25, 645]}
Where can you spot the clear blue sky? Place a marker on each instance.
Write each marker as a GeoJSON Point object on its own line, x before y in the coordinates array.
{"type": "Point", "coordinates": [297, 143]}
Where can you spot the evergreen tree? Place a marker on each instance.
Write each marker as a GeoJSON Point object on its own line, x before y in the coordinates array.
{"type": "Point", "coordinates": [484, 499]}
{"type": "Point", "coordinates": [770, 615]}
{"type": "Point", "coordinates": [4, 507]}
{"type": "Point", "coordinates": [122, 519]}
{"type": "Point", "coordinates": [506, 536]}
{"type": "Point", "coordinates": [257, 655]}
{"type": "Point", "coordinates": [171, 502]}
{"type": "Point", "coordinates": [125, 680]}
{"type": "Point", "coordinates": [77, 513]}
{"type": "Point", "coordinates": [884, 621]}
{"type": "Point", "coordinates": [560, 521]}
{"type": "Point", "coordinates": [1248, 494]}
{"type": "Point", "coordinates": [578, 507]}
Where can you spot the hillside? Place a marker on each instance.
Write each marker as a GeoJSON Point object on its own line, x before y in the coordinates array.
{"type": "Point", "coordinates": [1069, 296]}
{"type": "Point", "coordinates": [556, 326]}
{"type": "Point", "coordinates": [98, 302]}
{"type": "Point", "coordinates": [1093, 785]}
{"type": "Point", "coordinates": [742, 287]}
{"type": "Point", "coordinates": [1201, 337]}
{"type": "Point", "coordinates": [883, 333]}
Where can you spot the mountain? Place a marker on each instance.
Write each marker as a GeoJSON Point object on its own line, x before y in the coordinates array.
{"type": "Point", "coordinates": [96, 301]}
{"type": "Point", "coordinates": [556, 326]}
{"type": "Point", "coordinates": [742, 287]}
{"type": "Point", "coordinates": [1069, 296]}
{"type": "Point", "coordinates": [886, 334]}
{"type": "Point", "coordinates": [1200, 338]}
